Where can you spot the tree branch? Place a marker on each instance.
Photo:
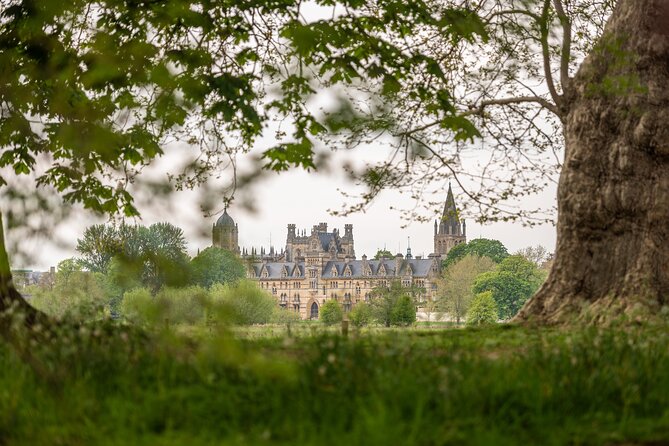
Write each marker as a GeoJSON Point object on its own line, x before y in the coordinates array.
{"type": "Point", "coordinates": [543, 24]}
{"type": "Point", "coordinates": [513, 12]}
{"type": "Point", "coordinates": [566, 44]}
{"type": "Point", "coordinates": [512, 100]}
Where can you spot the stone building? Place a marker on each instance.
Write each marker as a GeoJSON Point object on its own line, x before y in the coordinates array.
{"type": "Point", "coordinates": [450, 231]}
{"type": "Point", "coordinates": [225, 233]}
{"type": "Point", "coordinates": [321, 264]}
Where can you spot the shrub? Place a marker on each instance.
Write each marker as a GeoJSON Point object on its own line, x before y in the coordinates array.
{"type": "Point", "coordinates": [172, 305]}
{"type": "Point", "coordinates": [331, 312]}
{"type": "Point", "coordinates": [182, 305]}
{"type": "Point", "coordinates": [137, 306]}
{"type": "Point", "coordinates": [404, 311]}
{"type": "Point", "coordinates": [243, 302]}
{"type": "Point", "coordinates": [283, 316]}
{"type": "Point", "coordinates": [483, 310]}
{"type": "Point", "coordinates": [361, 314]}
{"type": "Point", "coordinates": [77, 295]}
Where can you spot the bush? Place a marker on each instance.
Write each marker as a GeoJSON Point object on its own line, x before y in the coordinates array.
{"type": "Point", "coordinates": [172, 305]}
{"type": "Point", "coordinates": [404, 311]}
{"type": "Point", "coordinates": [243, 302]}
{"type": "Point", "coordinates": [331, 312]}
{"type": "Point", "coordinates": [77, 295]}
{"type": "Point", "coordinates": [182, 305]}
{"type": "Point", "coordinates": [483, 310]}
{"type": "Point", "coordinates": [283, 316]}
{"type": "Point", "coordinates": [361, 314]}
{"type": "Point", "coordinates": [137, 306]}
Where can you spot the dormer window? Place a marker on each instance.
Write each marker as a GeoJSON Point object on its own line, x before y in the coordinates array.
{"type": "Point", "coordinates": [334, 271]}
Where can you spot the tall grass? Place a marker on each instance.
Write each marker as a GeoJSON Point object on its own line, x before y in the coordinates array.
{"type": "Point", "coordinates": [496, 385]}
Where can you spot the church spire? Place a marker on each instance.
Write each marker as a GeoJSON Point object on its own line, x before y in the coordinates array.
{"type": "Point", "coordinates": [450, 221]}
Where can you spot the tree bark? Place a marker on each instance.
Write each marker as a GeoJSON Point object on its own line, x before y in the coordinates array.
{"type": "Point", "coordinates": [13, 307]}
{"type": "Point", "coordinates": [612, 254]}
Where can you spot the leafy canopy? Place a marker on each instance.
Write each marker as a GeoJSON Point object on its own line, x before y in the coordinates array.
{"type": "Point", "coordinates": [216, 265]}
{"type": "Point", "coordinates": [481, 247]}
{"type": "Point", "coordinates": [93, 91]}
{"type": "Point", "coordinates": [331, 312]}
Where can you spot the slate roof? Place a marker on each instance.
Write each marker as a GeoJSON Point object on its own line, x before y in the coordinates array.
{"type": "Point", "coordinates": [419, 268]}
{"type": "Point", "coordinates": [325, 238]}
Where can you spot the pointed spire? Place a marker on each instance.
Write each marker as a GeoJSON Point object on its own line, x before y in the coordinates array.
{"type": "Point", "coordinates": [408, 256]}
{"type": "Point", "coordinates": [450, 223]}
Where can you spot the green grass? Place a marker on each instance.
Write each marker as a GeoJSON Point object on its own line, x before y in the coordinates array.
{"type": "Point", "coordinates": [492, 386]}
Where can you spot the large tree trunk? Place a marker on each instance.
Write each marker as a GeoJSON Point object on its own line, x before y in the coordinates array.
{"type": "Point", "coordinates": [612, 255]}
{"type": "Point", "coordinates": [15, 312]}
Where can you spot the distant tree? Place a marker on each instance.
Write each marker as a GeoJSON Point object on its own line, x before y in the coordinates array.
{"type": "Point", "coordinates": [360, 315]}
{"type": "Point", "coordinates": [153, 256]}
{"type": "Point", "coordinates": [66, 268]}
{"type": "Point", "coordinates": [243, 302]}
{"type": "Point", "coordinates": [509, 291]}
{"type": "Point", "coordinates": [535, 254]}
{"type": "Point", "coordinates": [215, 265]}
{"type": "Point", "coordinates": [404, 311]}
{"type": "Point", "coordinates": [455, 287]}
{"type": "Point", "coordinates": [385, 300]}
{"type": "Point", "coordinates": [74, 293]}
{"type": "Point", "coordinates": [482, 247]}
{"type": "Point", "coordinates": [331, 312]}
{"type": "Point", "coordinates": [98, 245]}
{"type": "Point", "coordinates": [523, 269]}
{"type": "Point", "coordinates": [284, 316]}
{"type": "Point", "coordinates": [381, 253]}
{"type": "Point", "coordinates": [483, 310]}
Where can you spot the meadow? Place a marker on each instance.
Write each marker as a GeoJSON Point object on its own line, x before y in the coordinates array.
{"type": "Point", "coordinates": [107, 383]}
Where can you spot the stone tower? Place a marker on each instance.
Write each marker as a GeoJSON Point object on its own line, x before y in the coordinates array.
{"type": "Point", "coordinates": [225, 233]}
{"type": "Point", "coordinates": [450, 230]}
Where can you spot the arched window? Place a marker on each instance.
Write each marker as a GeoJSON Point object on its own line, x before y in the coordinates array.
{"type": "Point", "coordinates": [313, 313]}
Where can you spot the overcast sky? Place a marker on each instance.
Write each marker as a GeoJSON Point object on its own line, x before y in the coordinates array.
{"type": "Point", "coordinates": [304, 199]}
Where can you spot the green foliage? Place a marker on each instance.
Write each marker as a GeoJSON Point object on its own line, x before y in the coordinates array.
{"type": "Point", "coordinates": [187, 306]}
{"type": "Point", "coordinates": [246, 303]}
{"type": "Point", "coordinates": [509, 291]}
{"type": "Point", "coordinates": [136, 255]}
{"type": "Point", "coordinates": [284, 316]}
{"type": "Point", "coordinates": [404, 311]}
{"type": "Point", "coordinates": [381, 253]}
{"type": "Point", "coordinates": [215, 265]}
{"type": "Point", "coordinates": [514, 281]}
{"type": "Point", "coordinates": [483, 310]}
{"type": "Point", "coordinates": [331, 312]}
{"type": "Point", "coordinates": [98, 245]}
{"type": "Point", "coordinates": [455, 288]}
{"type": "Point", "coordinates": [78, 73]}
{"type": "Point", "coordinates": [75, 294]}
{"type": "Point", "coordinates": [388, 305]}
{"type": "Point", "coordinates": [523, 269]}
{"type": "Point", "coordinates": [482, 247]}
{"type": "Point", "coordinates": [605, 384]}
{"type": "Point", "coordinates": [361, 314]}
{"type": "Point", "coordinates": [138, 306]}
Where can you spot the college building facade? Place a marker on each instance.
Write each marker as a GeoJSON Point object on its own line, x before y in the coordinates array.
{"type": "Point", "coordinates": [319, 265]}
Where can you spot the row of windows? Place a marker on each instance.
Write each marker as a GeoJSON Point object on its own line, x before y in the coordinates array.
{"type": "Point", "coordinates": [334, 284]}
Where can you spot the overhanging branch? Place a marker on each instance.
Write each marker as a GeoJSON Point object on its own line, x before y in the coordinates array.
{"type": "Point", "coordinates": [512, 100]}
{"type": "Point", "coordinates": [545, 50]}
{"type": "Point", "coordinates": [566, 44]}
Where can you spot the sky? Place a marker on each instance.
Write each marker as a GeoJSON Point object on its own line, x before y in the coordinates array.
{"type": "Point", "coordinates": [302, 198]}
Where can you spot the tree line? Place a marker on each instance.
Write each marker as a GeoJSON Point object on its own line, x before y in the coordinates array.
{"type": "Point", "coordinates": [482, 283]}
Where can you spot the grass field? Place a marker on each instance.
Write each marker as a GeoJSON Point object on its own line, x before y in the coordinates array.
{"type": "Point", "coordinates": [419, 386]}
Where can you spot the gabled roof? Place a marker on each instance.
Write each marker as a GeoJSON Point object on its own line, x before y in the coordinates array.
{"type": "Point", "coordinates": [416, 267]}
